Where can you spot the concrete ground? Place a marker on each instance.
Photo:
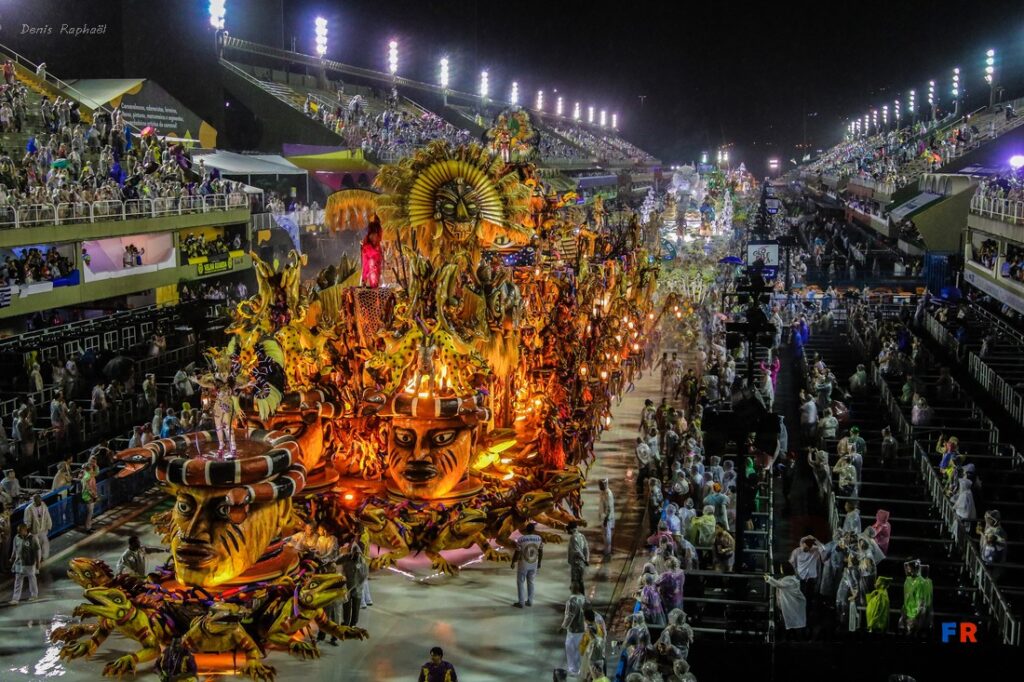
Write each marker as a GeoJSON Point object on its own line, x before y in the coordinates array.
{"type": "Point", "coordinates": [470, 615]}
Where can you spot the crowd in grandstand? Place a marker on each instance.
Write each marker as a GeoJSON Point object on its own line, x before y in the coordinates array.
{"type": "Point", "coordinates": [550, 147]}
{"type": "Point", "coordinates": [390, 133]}
{"type": "Point", "coordinates": [1008, 186]}
{"type": "Point", "coordinates": [605, 146]}
{"type": "Point", "coordinates": [35, 266]}
{"type": "Point", "coordinates": [196, 245]}
{"type": "Point", "coordinates": [70, 164]}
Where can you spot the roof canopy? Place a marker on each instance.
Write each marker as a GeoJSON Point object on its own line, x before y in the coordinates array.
{"type": "Point", "coordinates": [230, 163]}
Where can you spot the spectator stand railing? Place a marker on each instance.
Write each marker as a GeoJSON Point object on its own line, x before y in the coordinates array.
{"type": "Point", "coordinates": [999, 610]}
{"type": "Point", "coordinates": [1010, 398]}
{"type": "Point", "coordinates": [67, 509]}
{"type": "Point", "coordinates": [997, 208]}
{"type": "Point", "coordinates": [114, 209]}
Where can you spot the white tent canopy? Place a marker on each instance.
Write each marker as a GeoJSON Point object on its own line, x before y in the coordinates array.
{"type": "Point", "coordinates": [231, 163]}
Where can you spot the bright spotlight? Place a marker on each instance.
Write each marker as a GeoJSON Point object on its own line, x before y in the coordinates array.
{"type": "Point", "coordinates": [218, 10]}
{"type": "Point", "coordinates": [320, 29]}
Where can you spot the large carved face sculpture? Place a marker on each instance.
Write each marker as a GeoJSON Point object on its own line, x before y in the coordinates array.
{"type": "Point", "coordinates": [457, 207]}
{"type": "Point", "coordinates": [207, 548]}
{"type": "Point", "coordinates": [428, 457]}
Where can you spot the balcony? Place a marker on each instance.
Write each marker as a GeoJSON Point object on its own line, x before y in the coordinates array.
{"type": "Point", "coordinates": [998, 209]}
{"type": "Point", "coordinates": [35, 223]}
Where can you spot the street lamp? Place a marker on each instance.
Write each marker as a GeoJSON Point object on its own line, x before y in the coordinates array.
{"type": "Point", "coordinates": [603, 117]}
{"type": "Point", "coordinates": [931, 98]}
{"type": "Point", "coordinates": [576, 111]}
{"type": "Point", "coordinates": [484, 85]}
{"type": "Point", "coordinates": [320, 29]}
{"type": "Point", "coordinates": [540, 100]}
{"type": "Point", "coordinates": [558, 105]}
{"type": "Point", "coordinates": [514, 99]}
{"type": "Point", "coordinates": [990, 75]}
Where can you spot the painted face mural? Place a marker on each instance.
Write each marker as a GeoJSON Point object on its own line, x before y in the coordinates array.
{"type": "Point", "coordinates": [208, 549]}
{"type": "Point", "coordinates": [428, 457]}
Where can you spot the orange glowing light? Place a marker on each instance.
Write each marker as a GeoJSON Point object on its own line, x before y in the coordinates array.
{"type": "Point", "coordinates": [349, 497]}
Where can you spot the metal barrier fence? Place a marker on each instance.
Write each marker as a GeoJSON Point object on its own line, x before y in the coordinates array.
{"type": "Point", "coordinates": [34, 215]}
{"type": "Point", "coordinates": [1004, 392]}
{"type": "Point", "coordinates": [998, 208]}
{"type": "Point", "coordinates": [998, 609]}
{"type": "Point", "coordinates": [1010, 398]}
{"type": "Point", "coordinates": [67, 509]}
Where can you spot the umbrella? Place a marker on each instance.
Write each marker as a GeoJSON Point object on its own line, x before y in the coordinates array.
{"type": "Point", "coordinates": [120, 367]}
{"type": "Point", "coordinates": [59, 163]}
{"type": "Point", "coordinates": [147, 131]}
{"type": "Point", "coordinates": [731, 260]}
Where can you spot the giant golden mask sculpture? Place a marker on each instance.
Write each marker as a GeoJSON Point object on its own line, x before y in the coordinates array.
{"type": "Point", "coordinates": [428, 458]}
{"type": "Point", "coordinates": [207, 547]}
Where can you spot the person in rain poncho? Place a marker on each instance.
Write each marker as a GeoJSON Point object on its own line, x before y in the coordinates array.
{"type": "Point", "coordinates": [818, 459]}
{"type": "Point", "coordinates": [878, 606]}
{"type": "Point", "coordinates": [851, 522]}
{"type": "Point", "coordinates": [670, 585]}
{"type": "Point", "coordinates": [914, 598]}
{"type": "Point", "coordinates": [992, 539]}
{"type": "Point", "coordinates": [791, 600]}
{"type": "Point", "coordinates": [847, 594]}
{"type": "Point", "coordinates": [964, 503]}
{"type": "Point", "coordinates": [834, 555]}
{"type": "Point", "coordinates": [883, 530]}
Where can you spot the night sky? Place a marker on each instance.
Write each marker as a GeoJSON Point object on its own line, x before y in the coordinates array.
{"type": "Point", "coordinates": [712, 73]}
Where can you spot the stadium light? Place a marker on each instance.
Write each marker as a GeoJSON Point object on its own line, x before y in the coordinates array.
{"type": "Point", "coordinates": [885, 115]}
{"type": "Point", "coordinates": [484, 84]}
{"type": "Point", "coordinates": [1017, 161]}
{"type": "Point", "coordinates": [910, 103]}
{"type": "Point", "coordinates": [514, 99]}
{"type": "Point", "coordinates": [590, 114]}
{"type": "Point", "coordinates": [558, 105]}
{"type": "Point", "coordinates": [576, 111]}
{"type": "Point", "coordinates": [444, 73]}
{"type": "Point", "coordinates": [956, 82]}
{"type": "Point", "coordinates": [990, 75]}
{"type": "Point", "coordinates": [874, 119]}
{"type": "Point", "coordinates": [320, 29]}
{"type": "Point", "coordinates": [896, 113]}
{"type": "Point", "coordinates": [703, 157]}
{"type": "Point", "coordinates": [540, 100]}
{"type": "Point", "coordinates": [218, 10]}
{"type": "Point", "coordinates": [393, 57]}
{"type": "Point", "coordinates": [719, 156]}
{"type": "Point", "coordinates": [725, 156]}
{"type": "Point", "coordinates": [615, 121]}
{"type": "Point", "coordinates": [604, 116]}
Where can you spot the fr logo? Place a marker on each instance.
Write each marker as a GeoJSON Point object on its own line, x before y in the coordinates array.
{"type": "Point", "coordinates": [967, 633]}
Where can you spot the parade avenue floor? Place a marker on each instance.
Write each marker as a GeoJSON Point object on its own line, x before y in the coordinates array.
{"type": "Point", "coordinates": [470, 616]}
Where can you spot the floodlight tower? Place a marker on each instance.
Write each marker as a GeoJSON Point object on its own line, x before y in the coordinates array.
{"type": "Point", "coordinates": [990, 76]}
{"type": "Point", "coordinates": [443, 80]}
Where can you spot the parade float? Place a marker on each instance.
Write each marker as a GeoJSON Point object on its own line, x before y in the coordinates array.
{"type": "Point", "coordinates": [436, 397]}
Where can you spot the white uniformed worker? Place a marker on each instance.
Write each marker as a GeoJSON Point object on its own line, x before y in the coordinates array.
{"type": "Point", "coordinates": [527, 558]}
